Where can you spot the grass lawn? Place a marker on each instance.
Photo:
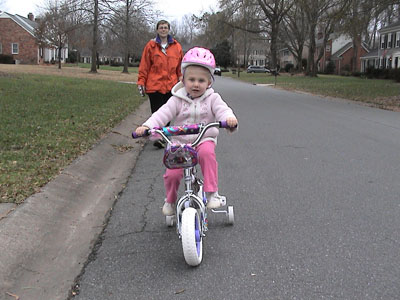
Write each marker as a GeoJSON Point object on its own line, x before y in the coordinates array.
{"type": "Point", "coordinates": [103, 67]}
{"type": "Point", "coordinates": [48, 121]}
{"type": "Point", "coordinates": [353, 88]}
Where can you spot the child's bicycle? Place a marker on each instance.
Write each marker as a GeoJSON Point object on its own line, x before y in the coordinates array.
{"type": "Point", "coordinates": [191, 208]}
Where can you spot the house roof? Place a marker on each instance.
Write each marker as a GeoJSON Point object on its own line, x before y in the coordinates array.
{"type": "Point", "coordinates": [345, 48]}
{"type": "Point", "coordinates": [25, 23]}
{"type": "Point", "coordinates": [390, 27]}
{"type": "Point", "coordinates": [382, 52]}
{"type": "Point", "coordinates": [371, 54]}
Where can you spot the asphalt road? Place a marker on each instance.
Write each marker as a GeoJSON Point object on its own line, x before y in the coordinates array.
{"type": "Point", "coordinates": [315, 186]}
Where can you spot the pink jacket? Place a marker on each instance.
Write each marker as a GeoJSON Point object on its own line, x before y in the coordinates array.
{"type": "Point", "coordinates": [181, 110]}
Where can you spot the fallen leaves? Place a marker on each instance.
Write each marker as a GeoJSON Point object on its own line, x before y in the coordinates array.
{"type": "Point", "coordinates": [16, 297]}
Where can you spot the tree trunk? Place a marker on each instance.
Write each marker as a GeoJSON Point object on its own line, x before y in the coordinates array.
{"type": "Point", "coordinates": [274, 41]}
{"type": "Point", "coordinates": [299, 57]}
{"type": "Point", "coordinates": [59, 52]}
{"type": "Point", "coordinates": [126, 62]}
{"type": "Point", "coordinates": [356, 47]}
{"type": "Point", "coordinates": [126, 40]}
{"type": "Point", "coordinates": [311, 53]}
{"type": "Point", "coordinates": [93, 68]}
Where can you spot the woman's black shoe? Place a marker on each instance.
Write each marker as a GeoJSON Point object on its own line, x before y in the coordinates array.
{"type": "Point", "coordinates": [159, 144]}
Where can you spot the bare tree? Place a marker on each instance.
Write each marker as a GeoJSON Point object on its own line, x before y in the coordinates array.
{"type": "Point", "coordinates": [274, 11]}
{"type": "Point", "coordinates": [93, 12]}
{"type": "Point", "coordinates": [268, 15]}
{"type": "Point", "coordinates": [295, 33]}
{"type": "Point", "coordinates": [188, 28]}
{"type": "Point", "coordinates": [322, 16]}
{"type": "Point", "coordinates": [126, 18]}
{"type": "Point", "coordinates": [54, 26]}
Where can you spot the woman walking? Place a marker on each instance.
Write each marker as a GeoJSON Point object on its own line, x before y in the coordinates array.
{"type": "Point", "coordinates": [159, 68]}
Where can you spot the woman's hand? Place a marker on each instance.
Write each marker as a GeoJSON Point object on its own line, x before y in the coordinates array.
{"type": "Point", "coordinates": [142, 90]}
{"type": "Point", "coordinates": [141, 130]}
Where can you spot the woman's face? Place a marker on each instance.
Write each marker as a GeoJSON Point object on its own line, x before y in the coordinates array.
{"type": "Point", "coordinates": [163, 30]}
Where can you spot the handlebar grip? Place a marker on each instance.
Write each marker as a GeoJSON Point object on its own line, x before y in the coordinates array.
{"type": "Point", "coordinates": [224, 124]}
{"type": "Point", "coordinates": [135, 136]}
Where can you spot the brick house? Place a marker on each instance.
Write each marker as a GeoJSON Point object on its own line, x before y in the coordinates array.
{"type": "Point", "coordinates": [343, 58]}
{"type": "Point", "coordinates": [339, 50]}
{"type": "Point", "coordinates": [387, 55]}
{"type": "Point", "coordinates": [17, 38]}
{"type": "Point", "coordinates": [334, 43]}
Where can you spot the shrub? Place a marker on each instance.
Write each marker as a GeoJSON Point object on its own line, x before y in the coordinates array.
{"type": "Point", "coordinates": [134, 64]}
{"type": "Point", "coordinates": [116, 64]}
{"type": "Point", "coordinates": [289, 67]}
{"type": "Point", "coordinates": [6, 59]}
{"type": "Point", "coordinates": [393, 74]}
{"type": "Point", "coordinates": [304, 63]}
{"type": "Point", "coordinates": [330, 68]}
{"type": "Point", "coordinates": [72, 57]}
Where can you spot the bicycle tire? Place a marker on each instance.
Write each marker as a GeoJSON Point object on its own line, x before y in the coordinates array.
{"type": "Point", "coordinates": [192, 241]}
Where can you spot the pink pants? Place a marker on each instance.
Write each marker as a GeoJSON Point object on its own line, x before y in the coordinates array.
{"type": "Point", "coordinates": [209, 168]}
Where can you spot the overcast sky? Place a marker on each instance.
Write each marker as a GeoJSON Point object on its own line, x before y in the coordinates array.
{"type": "Point", "coordinates": [173, 9]}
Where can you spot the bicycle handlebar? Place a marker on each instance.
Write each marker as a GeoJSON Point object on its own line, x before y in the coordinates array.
{"type": "Point", "coordinates": [200, 129]}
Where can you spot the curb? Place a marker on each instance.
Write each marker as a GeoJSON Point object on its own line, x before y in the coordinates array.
{"type": "Point", "coordinates": [45, 242]}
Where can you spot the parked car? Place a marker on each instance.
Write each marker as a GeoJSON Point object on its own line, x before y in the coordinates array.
{"type": "Point", "coordinates": [217, 71]}
{"type": "Point", "coordinates": [257, 69]}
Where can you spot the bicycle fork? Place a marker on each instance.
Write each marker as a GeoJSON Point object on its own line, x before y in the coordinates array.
{"type": "Point", "coordinates": [191, 199]}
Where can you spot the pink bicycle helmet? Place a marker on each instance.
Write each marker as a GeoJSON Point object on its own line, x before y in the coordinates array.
{"type": "Point", "coordinates": [200, 57]}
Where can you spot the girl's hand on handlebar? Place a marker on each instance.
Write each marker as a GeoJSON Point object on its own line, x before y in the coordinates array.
{"type": "Point", "coordinates": [141, 130]}
{"type": "Point", "coordinates": [232, 123]}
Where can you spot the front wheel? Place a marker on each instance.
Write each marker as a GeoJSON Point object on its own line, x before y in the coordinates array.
{"type": "Point", "coordinates": [192, 240]}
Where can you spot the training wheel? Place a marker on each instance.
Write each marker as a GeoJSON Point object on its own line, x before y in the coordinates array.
{"type": "Point", "coordinates": [231, 215]}
{"type": "Point", "coordinates": [169, 220]}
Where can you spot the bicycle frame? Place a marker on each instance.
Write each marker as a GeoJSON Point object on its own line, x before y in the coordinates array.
{"type": "Point", "coordinates": [190, 198]}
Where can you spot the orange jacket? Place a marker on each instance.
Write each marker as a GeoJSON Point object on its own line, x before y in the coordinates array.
{"type": "Point", "coordinates": [159, 71]}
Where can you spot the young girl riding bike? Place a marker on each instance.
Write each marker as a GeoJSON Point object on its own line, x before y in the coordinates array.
{"type": "Point", "coordinates": [194, 101]}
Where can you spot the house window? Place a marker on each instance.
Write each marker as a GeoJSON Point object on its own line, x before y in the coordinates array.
{"type": "Point", "coordinates": [398, 40]}
{"type": "Point", "coordinates": [14, 48]}
{"type": "Point", "coordinates": [389, 40]}
{"type": "Point", "coordinates": [382, 41]}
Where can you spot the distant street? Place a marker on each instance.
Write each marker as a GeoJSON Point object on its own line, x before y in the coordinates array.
{"type": "Point", "coordinates": [315, 187]}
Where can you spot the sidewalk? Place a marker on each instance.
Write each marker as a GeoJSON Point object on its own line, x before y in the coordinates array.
{"type": "Point", "coordinates": [46, 241]}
